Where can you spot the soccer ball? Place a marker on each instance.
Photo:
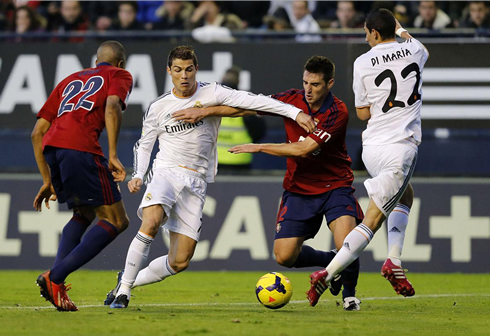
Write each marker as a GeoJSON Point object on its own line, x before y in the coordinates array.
{"type": "Point", "coordinates": [273, 290]}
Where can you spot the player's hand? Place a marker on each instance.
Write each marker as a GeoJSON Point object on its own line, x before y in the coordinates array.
{"type": "Point", "coordinates": [190, 115]}
{"type": "Point", "coordinates": [46, 194]}
{"type": "Point", "coordinates": [117, 169]}
{"type": "Point", "coordinates": [135, 185]}
{"type": "Point", "coordinates": [306, 122]}
{"type": "Point", "coordinates": [246, 148]}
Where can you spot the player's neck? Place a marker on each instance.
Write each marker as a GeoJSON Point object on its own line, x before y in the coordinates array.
{"type": "Point", "coordinates": [386, 41]}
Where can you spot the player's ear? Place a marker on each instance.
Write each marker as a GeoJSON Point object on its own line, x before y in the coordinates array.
{"type": "Point", "coordinates": [96, 62]}
{"type": "Point", "coordinates": [197, 67]}
{"type": "Point", "coordinates": [168, 71]}
{"type": "Point", "coordinates": [121, 64]}
{"type": "Point", "coordinates": [330, 83]}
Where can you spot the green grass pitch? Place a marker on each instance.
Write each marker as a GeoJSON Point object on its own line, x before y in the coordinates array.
{"type": "Point", "coordinates": [224, 303]}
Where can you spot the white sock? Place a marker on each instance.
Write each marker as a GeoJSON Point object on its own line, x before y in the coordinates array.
{"type": "Point", "coordinates": [355, 242]}
{"type": "Point", "coordinates": [157, 270]}
{"type": "Point", "coordinates": [137, 255]}
{"type": "Point", "coordinates": [397, 225]}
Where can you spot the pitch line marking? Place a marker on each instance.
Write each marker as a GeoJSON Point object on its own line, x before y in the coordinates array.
{"type": "Point", "coordinates": [209, 304]}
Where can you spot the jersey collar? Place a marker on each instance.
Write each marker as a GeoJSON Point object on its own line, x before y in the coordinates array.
{"type": "Point", "coordinates": [327, 103]}
{"type": "Point", "coordinates": [104, 63]}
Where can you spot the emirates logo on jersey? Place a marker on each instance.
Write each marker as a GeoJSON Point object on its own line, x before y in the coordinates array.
{"type": "Point", "coordinates": [182, 126]}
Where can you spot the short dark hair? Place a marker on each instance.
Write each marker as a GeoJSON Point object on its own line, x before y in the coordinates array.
{"type": "Point", "coordinates": [117, 52]}
{"type": "Point", "coordinates": [133, 4]}
{"type": "Point", "coordinates": [183, 52]}
{"type": "Point", "coordinates": [321, 64]}
{"type": "Point", "coordinates": [383, 21]}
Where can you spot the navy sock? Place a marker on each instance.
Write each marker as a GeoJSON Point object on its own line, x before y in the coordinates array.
{"type": "Point", "coordinates": [349, 279]}
{"type": "Point", "coordinates": [94, 241]}
{"type": "Point", "coordinates": [309, 257]}
{"type": "Point", "coordinates": [71, 236]}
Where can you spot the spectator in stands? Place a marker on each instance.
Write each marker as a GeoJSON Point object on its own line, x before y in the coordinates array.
{"type": "Point", "coordinates": [102, 14]}
{"type": "Point", "coordinates": [210, 25]}
{"type": "Point", "coordinates": [147, 12]}
{"type": "Point", "coordinates": [478, 15]}
{"type": "Point", "coordinates": [67, 18]}
{"type": "Point", "coordinates": [126, 17]}
{"type": "Point", "coordinates": [26, 20]}
{"type": "Point", "coordinates": [431, 16]}
{"type": "Point", "coordinates": [173, 15]}
{"type": "Point", "coordinates": [276, 22]}
{"type": "Point", "coordinates": [70, 18]}
{"type": "Point", "coordinates": [347, 16]}
{"type": "Point", "coordinates": [250, 12]}
{"type": "Point", "coordinates": [303, 22]}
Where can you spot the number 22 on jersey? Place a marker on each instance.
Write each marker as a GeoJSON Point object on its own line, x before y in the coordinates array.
{"type": "Point", "coordinates": [391, 101]}
{"type": "Point", "coordinates": [72, 90]}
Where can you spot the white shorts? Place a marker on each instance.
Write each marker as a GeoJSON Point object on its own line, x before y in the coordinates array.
{"type": "Point", "coordinates": [182, 193]}
{"type": "Point", "coordinates": [391, 167]}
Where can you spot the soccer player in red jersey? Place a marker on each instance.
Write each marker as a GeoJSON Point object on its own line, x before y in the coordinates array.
{"type": "Point", "coordinates": [318, 181]}
{"type": "Point", "coordinates": [74, 169]}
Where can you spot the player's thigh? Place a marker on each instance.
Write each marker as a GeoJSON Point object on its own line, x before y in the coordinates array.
{"type": "Point", "coordinates": [185, 217]}
{"type": "Point", "coordinates": [50, 154]}
{"type": "Point", "coordinates": [86, 179]}
{"type": "Point", "coordinates": [393, 166]}
{"type": "Point", "coordinates": [341, 227]}
{"type": "Point", "coordinates": [288, 249]}
{"type": "Point", "coordinates": [114, 214]}
{"type": "Point", "coordinates": [153, 217]}
{"type": "Point", "coordinates": [180, 251]}
{"type": "Point", "coordinates": [299, 216]}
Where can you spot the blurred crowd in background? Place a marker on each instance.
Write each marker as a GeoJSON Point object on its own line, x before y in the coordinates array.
{"type": "Point", "coordinates": [214, 21]}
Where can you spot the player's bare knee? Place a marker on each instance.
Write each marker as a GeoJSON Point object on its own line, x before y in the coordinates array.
{"type": "Point", "coordinates": [85, 212]}
{"type": "Point", "coordinates": [123, 224]}
{"type": "Point", "coordinates": [285, 260]}
{"type": "Point", "coordinates": [407, 198]}
{"type": "Point", "coordinates": [179, 265]}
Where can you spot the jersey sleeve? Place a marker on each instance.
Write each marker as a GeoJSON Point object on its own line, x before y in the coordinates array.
{"type": "Point", "coordinates": [49, 111]}
{"type": "Point", "coordinates": [250, 101]}
{"type": "Point", "coordinates": [360, 92]}
{"type": "Point", "coordinates": [121, 86]}
{"type": "Point", "coordinates": [333, 126]}
{"type": "Point", "coordinates": [144, 146]}
{"type": "Point", "coordinates": [424, 53]}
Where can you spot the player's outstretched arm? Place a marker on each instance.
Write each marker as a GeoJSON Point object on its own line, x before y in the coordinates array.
{"type": "Point", "coordinates": [46, 193]}
{"type": "Point", "coordinates": [193, 115]}
{"type": "Point", "coordinates": [113, 120]}
{"type": "Point", "coordinates": [294, 149]}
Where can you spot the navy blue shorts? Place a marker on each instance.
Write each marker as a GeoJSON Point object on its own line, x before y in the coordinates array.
{"type": "Point", "coordinates": [81, 178]}
{"type": "Point", "coordinates": [302, 215]}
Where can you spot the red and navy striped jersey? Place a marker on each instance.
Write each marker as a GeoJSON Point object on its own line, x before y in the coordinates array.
{"type": "Point", "coordinates": [76, 107]}
{"type": "Point", "coordinates": [329, 167]}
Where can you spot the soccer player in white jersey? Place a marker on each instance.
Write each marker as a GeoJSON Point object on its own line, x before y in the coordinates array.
{"type": "Point", "coordinates": [387, 87]}
{"type": "Point", "coordinates": [186, 162]}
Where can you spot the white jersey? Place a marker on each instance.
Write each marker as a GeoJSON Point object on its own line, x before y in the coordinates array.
{"type": "Point", "coordinates": [193, 146]}
{"type": "Point", "coordinates": [388, 78]}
